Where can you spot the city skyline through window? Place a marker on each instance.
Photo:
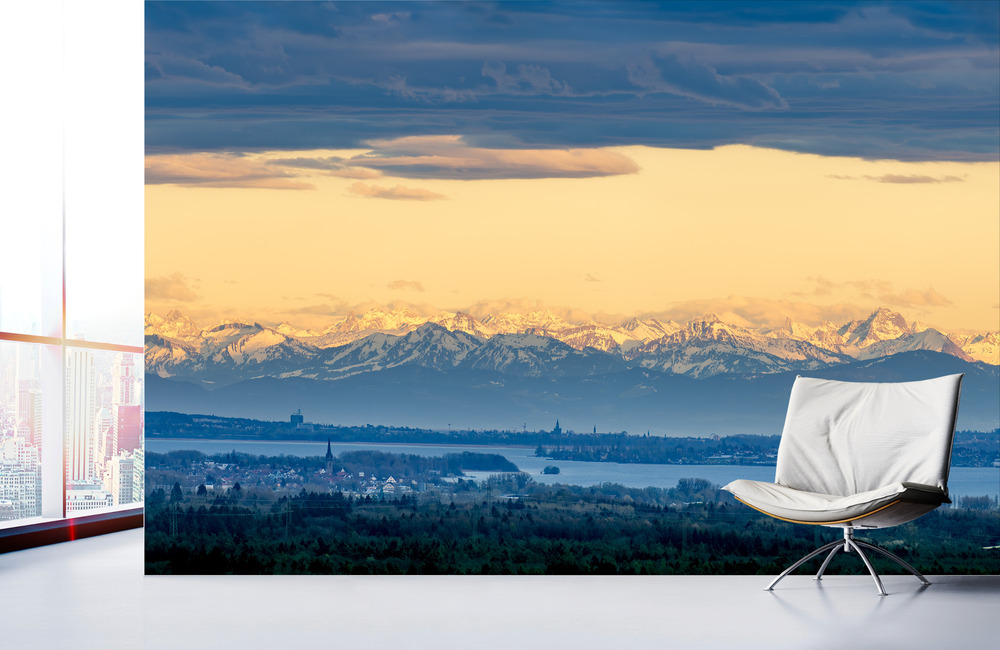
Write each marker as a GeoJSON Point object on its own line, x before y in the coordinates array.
{"type": "Point", "coordinates": [71, 256]}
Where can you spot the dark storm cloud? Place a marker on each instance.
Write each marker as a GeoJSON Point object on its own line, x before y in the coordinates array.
{"type": "Point", "coordinates": [913, 81]}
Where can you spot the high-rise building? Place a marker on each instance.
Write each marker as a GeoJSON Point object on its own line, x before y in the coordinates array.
{"type": "Point", "coordinates": [119, 478]}
{"type": "Point", "coordinates": [24, 412]}
{"type": "Point", "coordinates": [103, 435]}
{"type": "Point", "coordinates": [126, 424]}
{"type": "Point", "coordinates": [80, 409]}
{"type": "Point", "coordinates": [20, 478]}
{"type": "Point", "coordinates": [8, 375]}
{"type": "Point", "coordinates": [138, 475]}
{"type": "Point", "coordinates": [104, 392]}
{"type": "Point", "coordinates": [29, 414]}
{"type": "Point", "coordinates": [123, 380]}
{"type": "Point", "coordinates": [36, 417]}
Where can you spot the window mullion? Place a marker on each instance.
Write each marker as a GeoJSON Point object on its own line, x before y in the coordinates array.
{"type": "Point", "coordinates": [52, 378]}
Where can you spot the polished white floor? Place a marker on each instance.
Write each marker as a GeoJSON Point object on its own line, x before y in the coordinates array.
{"type": "Point", "coordinates": [91, 594]}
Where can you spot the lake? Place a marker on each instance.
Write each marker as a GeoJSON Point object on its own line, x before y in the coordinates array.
{"type": "Point", "coordinates": [964, 481]}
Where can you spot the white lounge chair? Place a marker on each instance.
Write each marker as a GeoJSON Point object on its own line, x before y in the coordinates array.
{"type": "Point", "coordinates": [857, 455]}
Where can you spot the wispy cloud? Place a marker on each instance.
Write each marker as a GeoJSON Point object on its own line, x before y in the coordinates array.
{"type": "Point", "coordinates": [750, 311]}
{"type": "Point", "coordinates": [392, 17]}
{"type": "Point", "coordinates": [175, 287]}
{"type": "Point", "coordinates": [913, 178]}
{"type": "Point", "coordinates": [218, 170]}
{"type": "Point", "coordinates": [451, 157]}
{"type": "Point", "coordinates": [397, 85]}
{"type": "Point", "coordinates": [826, 300]}
{"type": "Point", "coordinates": [883, 292]}
{"type": "Point", "coordinates": [320, 309]}
{"type": "Point", "coordinates": [406, 285]}
{"type": "Point", "coordinates": [329, 165]}
{"type": "Point", "coordinates": [396, 193]}
{"type": "Point", "coordinates": [483, 308]}
{"type": "Point", "coordinates": [695, 80]}
{"type": "Point", "coordinates": [903, 179]}
{"type": "Point", "coordinates": [877, 292]}
{"type": "Point", "coordinates": [415, 157]}
{"type": "Point", "coordinates": [168, 66]}
{"type": "Point", "coordinates": [528, 80]}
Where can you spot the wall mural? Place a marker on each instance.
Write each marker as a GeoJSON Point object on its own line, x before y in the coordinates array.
{"type": "Point", "coordinates": [514, 288]}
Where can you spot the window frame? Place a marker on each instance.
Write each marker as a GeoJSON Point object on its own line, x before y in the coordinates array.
{"type": "Point", "coordinates": [71, 84]}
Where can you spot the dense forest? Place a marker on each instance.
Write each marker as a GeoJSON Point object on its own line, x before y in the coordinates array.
{"type": "Point", "coordinates": [971, 448]}
{"type": "Point", "coordinates": [511, 525]}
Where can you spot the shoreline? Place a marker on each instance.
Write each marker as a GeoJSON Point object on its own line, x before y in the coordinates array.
{"type": "Point", "coordinates": [441, 445]}
{"type": "Point", "coordinates": [351, 442]}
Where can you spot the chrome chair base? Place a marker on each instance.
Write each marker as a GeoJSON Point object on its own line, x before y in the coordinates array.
{"type": "Point", "coordinates": [847, 545]}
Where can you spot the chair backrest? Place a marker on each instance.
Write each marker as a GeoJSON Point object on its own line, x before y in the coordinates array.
{"type": "Point", "coordinates": [843, 437]}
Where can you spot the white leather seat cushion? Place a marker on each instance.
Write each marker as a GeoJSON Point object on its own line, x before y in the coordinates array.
{"type": "Point", "coordinates": [798, 505]}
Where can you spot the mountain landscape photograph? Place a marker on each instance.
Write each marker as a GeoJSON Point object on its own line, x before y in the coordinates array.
{"type": "Point", "coordinates": [513, 288]}
{"type": "Point", "coordinates": [699, 378]}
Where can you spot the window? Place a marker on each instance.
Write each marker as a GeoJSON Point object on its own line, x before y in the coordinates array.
{"type": "Point", "coordinates": [71, 242]}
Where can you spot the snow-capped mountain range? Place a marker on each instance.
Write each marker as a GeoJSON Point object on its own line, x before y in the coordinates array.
{"type": "Point", "coordinates": [537, 344]}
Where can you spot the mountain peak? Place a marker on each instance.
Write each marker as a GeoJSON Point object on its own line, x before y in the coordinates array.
{"type": "Point", "coordinates": [429, 327]}
{"type": "Point", "coordinates": [882, 325]}
{"type": "Point", "coordinates": [513, 323]}
{"type": "Point", "coordinates": [929, 339]}
{"type": "Point", "coordinates": [884, 313]}
{"type": "Point", "coordinates": [462, 322]}
{"type": "Point", "coordinates": [174, 325]}
{"type": "Point", "coordinates": [399, 312]}
{"type": "Point", "coordinates": [234, 325]}
{"type": "Point", "coordinates": [631, 324]}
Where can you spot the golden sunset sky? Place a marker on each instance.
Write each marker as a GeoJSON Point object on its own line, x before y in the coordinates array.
{"type": "Point", "coordinates": [752, 234]}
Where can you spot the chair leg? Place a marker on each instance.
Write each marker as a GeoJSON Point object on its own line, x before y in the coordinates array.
{"type": "Point", "coordinates": [802, 561]}
{"type": "Point", "coordinates": [826, 562]}
{"type": "Point", "coordinates": [849, 539]}
{"type": "Point", "coordinates": [896, 559]}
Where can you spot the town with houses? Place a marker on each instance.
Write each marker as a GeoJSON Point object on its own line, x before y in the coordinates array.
{"type": "Point", "coordinates": [204, 476]}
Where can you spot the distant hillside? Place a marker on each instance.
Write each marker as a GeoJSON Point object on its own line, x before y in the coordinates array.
{"type": "Point", "coordinates": [632, 399]}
